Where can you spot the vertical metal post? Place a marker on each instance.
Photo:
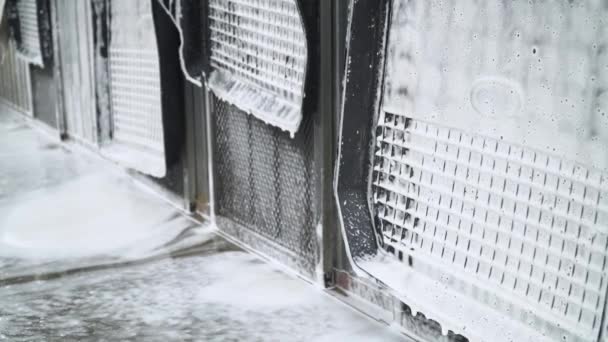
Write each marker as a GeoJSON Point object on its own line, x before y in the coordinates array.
{"type": "Point", "coordinates": [325, 138]}
{"type": "Point", "coordinates": [58, 74]}
{"type": "Point", "coordinates": [198, 165]}
{"type": "Point", "coordinates": [208, 147]}
{"type": "Point", "coordinates": [190, 171]}
{"type": "Point", "coordinates": [197, 168]}
{"type": "Point", "coordinates": [341, 20]}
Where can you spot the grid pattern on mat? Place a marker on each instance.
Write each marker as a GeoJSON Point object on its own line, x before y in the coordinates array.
{"type": "Point", "coordinates": [499, 215]}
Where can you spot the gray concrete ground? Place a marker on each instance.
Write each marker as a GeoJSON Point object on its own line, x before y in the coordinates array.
{"type": "Point", "coordinates": [86, 254]}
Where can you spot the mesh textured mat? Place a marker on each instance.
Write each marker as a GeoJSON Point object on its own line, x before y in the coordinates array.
{"type": "Point", "coordinates": [265, 179]}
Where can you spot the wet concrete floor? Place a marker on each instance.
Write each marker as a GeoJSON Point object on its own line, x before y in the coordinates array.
{"type": "Point", "coordinates": [87, 254]}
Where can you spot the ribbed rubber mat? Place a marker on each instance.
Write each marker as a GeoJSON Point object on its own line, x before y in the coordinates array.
{"type": "Point", "coordinates": [136, 99]}
{"type": "Point", "coordinates": [490, 171]}
{"type": "Point", "coordinates": [521, 222]}
{"type": "Point", "coordinates": [138, 139]}
{"type": "Point", "coordinates": [29, 30]}
{"type": "Point", "coordinates": [259, 55]}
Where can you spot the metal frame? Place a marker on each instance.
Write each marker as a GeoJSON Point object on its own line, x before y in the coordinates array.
{"type": "Point", "coordinates": [59, 104]}
{"type": "Point", "coordinates": [200, 177]}
{"type": "Point", "coordinates": [197, 169]}
{"type": "Point", "coordinates": [331, 69]}
{"type": "Point", "coordinates": [202, 193]}
{"type": "Point", "coordinates": [99, 10]}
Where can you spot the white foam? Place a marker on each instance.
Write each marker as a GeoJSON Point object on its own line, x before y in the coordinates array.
{"type": "Point", "coordinates": [95, 214]}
